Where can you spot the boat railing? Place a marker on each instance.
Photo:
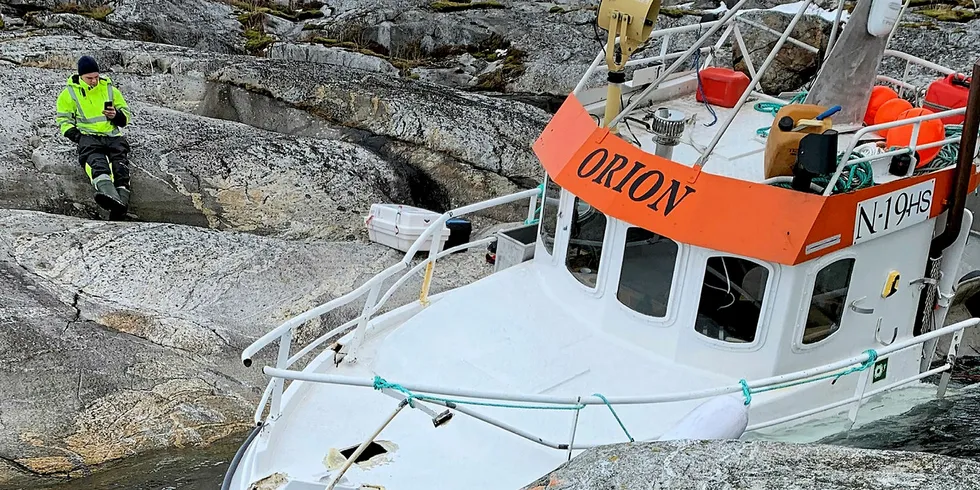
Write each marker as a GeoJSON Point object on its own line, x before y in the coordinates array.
{"type": "Point", "coordinates": [730, 21]}
{"type": "Point", "coordinates": [455, 398]}
{"type": "Point", "coordinates": [912, 147]}
{"type": "Point", "coordinates": [374, 301]}
{"type": "Point", "coordinates": [911, 61]}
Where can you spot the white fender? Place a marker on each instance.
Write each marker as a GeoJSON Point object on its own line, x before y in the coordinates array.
{"type": "Point", "coordinates": [722, 417]}
{"type": "Point", "coordinates": [883, 16]}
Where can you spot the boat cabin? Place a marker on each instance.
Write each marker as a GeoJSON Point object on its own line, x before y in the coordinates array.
{"type": "Point", "coordinates": [724, 312]}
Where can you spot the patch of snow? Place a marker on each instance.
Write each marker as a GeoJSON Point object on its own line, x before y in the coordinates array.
{"type": "Point", "coordinates": [828, 15]}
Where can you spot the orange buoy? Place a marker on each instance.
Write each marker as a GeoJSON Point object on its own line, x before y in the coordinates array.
{"type": "Point", "coordinates": [889, 112]}
{"type": "Point", "coordinates": [879, 95]}
{"type": "Point", "coordinates": [930, 131]}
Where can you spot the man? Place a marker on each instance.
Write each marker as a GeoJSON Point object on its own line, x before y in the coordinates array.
{"type": "Point", "coordinates": [90, 112]}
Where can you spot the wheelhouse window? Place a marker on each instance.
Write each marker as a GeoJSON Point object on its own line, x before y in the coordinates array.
{"type": "Point", "coordinates": [828, 300]}
{"type": "Point", "coordinates": [731, 299]}
{"type": "Point", "coordinates": [647, 272]}
{"type": "Point", "coordinates": [588, 228]}
{"type": "Point", "coordinates": [549, 215]}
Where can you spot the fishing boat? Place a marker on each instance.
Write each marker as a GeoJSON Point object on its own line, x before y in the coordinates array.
{"type": "Point", "coordinates": [701, 260]}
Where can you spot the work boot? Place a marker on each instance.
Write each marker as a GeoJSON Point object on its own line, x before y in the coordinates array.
{"type": "Point", "coordinates": [120, 213]}
{"type": "Point", "coordinates": [124, 194]}
{"type": "Point", "coordinates": [106, 195]}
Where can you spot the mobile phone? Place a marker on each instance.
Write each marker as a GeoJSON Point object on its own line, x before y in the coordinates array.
{"type": "Point", "coordinates": [108, 105]}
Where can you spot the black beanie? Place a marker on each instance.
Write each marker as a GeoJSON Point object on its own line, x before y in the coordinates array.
{"type": "Point", "coordinates": [87, 64]}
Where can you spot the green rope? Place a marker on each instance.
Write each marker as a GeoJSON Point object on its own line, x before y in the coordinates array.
{"type": "Point", "coordinates": [868, 363]}
{"type": "Point", "coordinates": [537, 212]}
{"type": "Point", "coordinates": [381, 384]}
{"type": "Point", "coordinates": [746, 392]}
{"type": "Point", "coordinates": [855, 176]}
{"type": "Point", "coordinates": [615, 415]}
{"type": "Point", "coordinates": [948, 154]}
{"type": "Point", "coordinates": [773, 108]}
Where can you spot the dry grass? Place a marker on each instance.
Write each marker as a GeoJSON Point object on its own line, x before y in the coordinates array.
{"type": "Point", "coordinates": [91, 10]}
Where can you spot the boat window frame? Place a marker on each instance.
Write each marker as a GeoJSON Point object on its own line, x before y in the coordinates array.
{"type": "Point", "coordinates": [543, 216]}
{"type": "Point", "coordinates": [804, 309]}
{"type": "Point", "coordinates": [608, 234]}
{"type": "Point", "coordinates": [765, 310]}
{"type": "Point", "coordinates": [676, 279]}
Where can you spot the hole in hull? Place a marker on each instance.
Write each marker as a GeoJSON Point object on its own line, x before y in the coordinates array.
{"type": "Point", "coordinates": [372, 450]}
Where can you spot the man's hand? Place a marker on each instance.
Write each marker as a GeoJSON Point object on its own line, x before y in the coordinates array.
{"type": "Point", "coordinates": [109, 113]}
{"type": "Point", "coordinates": [73, 134]}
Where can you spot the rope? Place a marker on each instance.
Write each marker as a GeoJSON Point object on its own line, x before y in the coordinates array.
{"type": "Point", "coordinates": [697, 70]}
{"type": "Point", "coordinates": [615, 415]}
{"type": "Point", "coordinates": [855, 176]}
{"type": "Point", "coordinates": [869, 362]}
{"type": "Point", "coordinates": [948, 154]}
{"type": "Point", "coordinates": [381, 384]}
{"type": "Point", "coordinates": [537, 212]}
{"type": "Point", "coordinates": [772, 108]}
{"type": "Point", "coordinates": [746, 392]}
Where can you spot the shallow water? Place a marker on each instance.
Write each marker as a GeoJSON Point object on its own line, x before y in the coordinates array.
{"type": "Point", "coordinates": [947, 426]}
{"type": "Point", "coordinates": [179, 469]}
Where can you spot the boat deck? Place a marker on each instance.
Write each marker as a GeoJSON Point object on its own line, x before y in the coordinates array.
{"type": "Point", "coordinates": [739, 153]}
{"type": "Point", "coordinates": [548, 351]}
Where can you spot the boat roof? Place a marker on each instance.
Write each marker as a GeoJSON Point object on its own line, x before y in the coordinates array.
{"type": "Point", "coordinates": [712, 190]}
{"type": "Point", "coordinates": [717, 211]}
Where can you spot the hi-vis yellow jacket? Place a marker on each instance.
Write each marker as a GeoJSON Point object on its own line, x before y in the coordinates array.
{"type": "Point", "coordinates": [81, 107]}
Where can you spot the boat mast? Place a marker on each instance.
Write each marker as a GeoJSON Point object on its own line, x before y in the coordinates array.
{"type": "Point", "coordinates": [850, 70]}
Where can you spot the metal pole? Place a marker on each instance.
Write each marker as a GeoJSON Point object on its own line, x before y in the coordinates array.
{"type": "Point", "coordinates": [627, 400]}
{"type": "Point", "coordinates": [281, 360]}
{"type": "Point", "coordinates": [360, 449]}
{"type": "Point", "coordinates": [362, 321]}
{"type": "Point", "coordinates": [836, 27]}
{"type": "Point", "coordinates": [673, 67]}
{"type": "Point", "coordinates": [954, 344]}
{"type": "Point", "coordinates": [571, 438]}
{"type": "Point", "coordinates": [755, 81]}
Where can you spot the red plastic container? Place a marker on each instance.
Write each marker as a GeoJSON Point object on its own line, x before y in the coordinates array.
{"type": "Point", "coordinates": [948, 93]}
{"type": "Point", "coordinates": [722, 87]}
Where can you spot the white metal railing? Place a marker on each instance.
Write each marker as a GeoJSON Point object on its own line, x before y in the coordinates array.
{"type": "Point", "coordinates": [766, 384]}
{"type": "Point", "coordinates": [372, 304]}
{"type": "Point", "coordinates": [911, 61]}
{"type": "Point", "coordinates": [731, 19]}
{"type": "Point", "coordinates": [911, 149]}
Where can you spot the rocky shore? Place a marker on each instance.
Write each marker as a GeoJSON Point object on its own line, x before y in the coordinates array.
{"type": "Point", "coordinates": [263, 131]}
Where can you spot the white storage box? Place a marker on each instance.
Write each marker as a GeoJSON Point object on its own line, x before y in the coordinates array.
{"type": "Point", "coordinates": [399, 226]}
{"type": "Point", "coordinates": [514, 246]}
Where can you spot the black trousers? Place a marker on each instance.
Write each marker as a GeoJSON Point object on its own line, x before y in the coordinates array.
{"type": "Point", "coordinates": [105, 155]}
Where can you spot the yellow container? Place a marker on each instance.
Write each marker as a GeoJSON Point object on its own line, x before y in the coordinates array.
{"type": "Point", "coordinates": [783, 146]}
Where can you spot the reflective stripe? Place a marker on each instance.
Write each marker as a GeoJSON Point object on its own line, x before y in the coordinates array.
{"type": "Point", "coordinates": [115, 132]}
{"type": "Point", "coordinates": [99, 125]}
{"type": "Point", "coordinates": [78, 105]}
{"type": "Point", "coordinates": [65, 114]}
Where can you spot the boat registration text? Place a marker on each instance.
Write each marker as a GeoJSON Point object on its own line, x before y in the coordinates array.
{"type": "Point", "coordinates": [894, 211]}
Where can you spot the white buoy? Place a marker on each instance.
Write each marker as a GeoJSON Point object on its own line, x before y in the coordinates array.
{"type": "Point", "coordinates": [722, 417]}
